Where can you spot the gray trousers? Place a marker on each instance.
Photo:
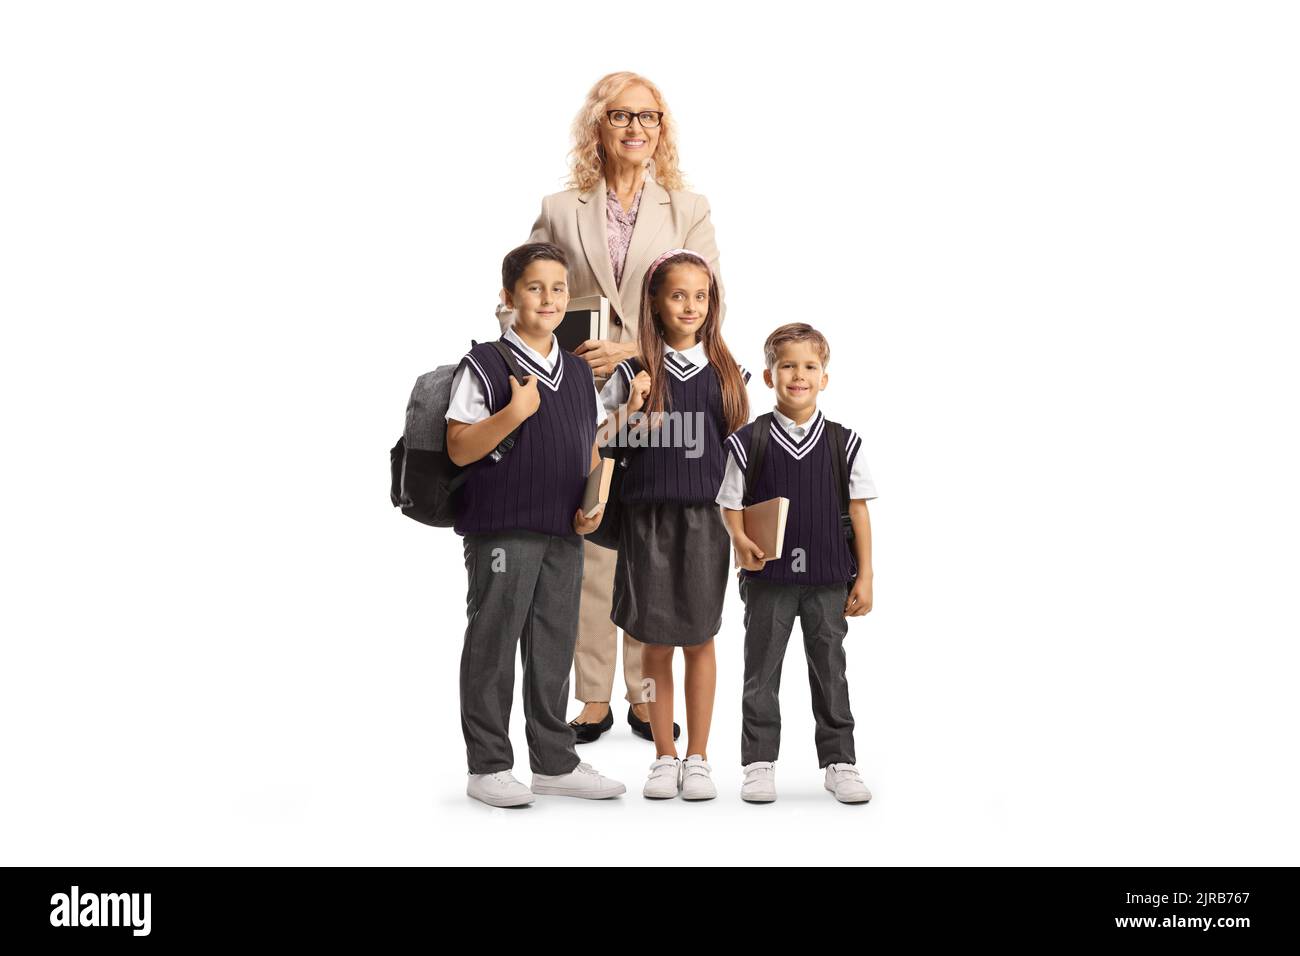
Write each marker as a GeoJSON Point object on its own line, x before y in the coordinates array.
{"type": "Point", "coordinates": [523, 589]}
{"type": "Point", "coordinates": [770, 611]}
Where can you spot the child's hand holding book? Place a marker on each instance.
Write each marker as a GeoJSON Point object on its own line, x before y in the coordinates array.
{"type": "Point", "coordinates": [584, 525]}
{"type": "Point", "coordinates": [748, 554]}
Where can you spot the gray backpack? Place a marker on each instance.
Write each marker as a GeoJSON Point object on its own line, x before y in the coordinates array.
{"type": "Point", "coordinates": [424, 478]}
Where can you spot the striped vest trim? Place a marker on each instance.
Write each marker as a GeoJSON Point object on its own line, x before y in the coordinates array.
{"type": "Point", "coordinates": [538, 485]}
{"type": "Point", "coordinates": [676, 472]}
{"type": "Point", "coordinates": [815, 551]}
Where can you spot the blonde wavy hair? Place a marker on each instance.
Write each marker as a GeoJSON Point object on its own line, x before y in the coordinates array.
{"type": "Point", "coordinates": [587, 158]}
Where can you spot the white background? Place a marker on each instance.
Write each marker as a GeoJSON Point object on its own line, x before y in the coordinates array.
{"type": "Point", "coordinates": [1054, 248]}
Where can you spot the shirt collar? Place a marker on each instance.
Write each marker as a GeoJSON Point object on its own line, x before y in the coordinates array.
{"type": "Point", "coordinates": [789, 425]}
{"type": "Point", "coordinates": [545, 361]}
{"type": "Point", "coordinates": [695, 354]}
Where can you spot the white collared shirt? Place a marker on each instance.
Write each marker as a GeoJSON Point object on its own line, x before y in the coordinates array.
{"type": "Point", "coordinates": [469, 401]}
{"type": "Point", "coordinates": [797, 432]}
{"type": "Point", "coordinates": [616, 391]}
{"type": "Point", "coordinates": [732, 493]}
{"type": "Point", "coordinates": [548, 360]}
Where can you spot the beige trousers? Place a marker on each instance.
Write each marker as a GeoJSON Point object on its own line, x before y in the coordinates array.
{"type": "Point", "coordinates": [596, 653]}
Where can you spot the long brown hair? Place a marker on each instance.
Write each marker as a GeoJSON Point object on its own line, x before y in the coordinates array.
{"type": "Point", "coordinates": [650, 346]}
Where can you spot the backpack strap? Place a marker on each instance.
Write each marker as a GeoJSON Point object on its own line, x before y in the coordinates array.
{"type": "Point", "coordinates": [620, 453]}
{"type": "Point", "coordinates": [512, 364]}
{"type": "Point", "coordinates": [496, 454]}
{"type": "Point", "coordinates": [508, 354]}
{"type": "Point", "coordinates": [837, 436]}
{"type": "Point", "coordinates": [835, 431]}
{"type": "Point", "coordinates": [758, 436]}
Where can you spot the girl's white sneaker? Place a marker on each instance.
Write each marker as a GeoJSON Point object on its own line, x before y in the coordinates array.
{"type": "Point", "coordinates": [760, 782]}
{"type": "Point", "coordinates": [499, 789]}
{"type": "Point", "coordinates": [665, 779]}
{"type": "Point", "coordinates": [697, 779]}
{"type": "Point", "coordinates": [843, 780]}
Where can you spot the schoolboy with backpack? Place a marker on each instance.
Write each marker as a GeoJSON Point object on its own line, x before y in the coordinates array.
{"type": "Point", "coordinates": [508, 472]}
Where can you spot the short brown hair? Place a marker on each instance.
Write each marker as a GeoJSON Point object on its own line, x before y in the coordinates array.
{"type": "Point", "coordinates": [796, 332]}
{"type": "Point", "coordinates": [517, 259]}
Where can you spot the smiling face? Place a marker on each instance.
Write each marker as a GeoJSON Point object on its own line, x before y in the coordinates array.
{"type": "Point", "coordinates": [682, 303]}
{"type": "Point", "coordinates": [630, 145]}
{"type": "Point", "coordinates": [798, 376]}
{"type": "Point", "coordinates": [539, 298]}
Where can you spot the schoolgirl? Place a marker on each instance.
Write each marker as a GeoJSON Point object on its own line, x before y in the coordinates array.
{"type": "Point", "coordinates": [676, 401]}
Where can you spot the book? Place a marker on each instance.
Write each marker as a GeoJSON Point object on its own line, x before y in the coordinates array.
{"type": "Point", "coordinates": [765, 525]}
{"type": "Point", "coordinates": [585, 318]}
{"type": "Point", "coordinates": [597, 492]}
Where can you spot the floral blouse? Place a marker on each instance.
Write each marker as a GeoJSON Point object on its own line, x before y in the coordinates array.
{"type": "Point", "coordinates": [618, 230]}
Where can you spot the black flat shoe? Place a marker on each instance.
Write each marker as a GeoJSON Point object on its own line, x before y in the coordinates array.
{"type": "Point", "coordinates": [586, 733]}
{"type": "Point", "coordinates": [642, 727]}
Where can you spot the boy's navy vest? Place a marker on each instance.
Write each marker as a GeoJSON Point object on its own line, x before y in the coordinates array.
{"type": "Point", "coordinates": [666, 473]}
{"type": "Point", "coordinates": [538, 484]}
{"type": "Point", "coordinates": [803, 472]}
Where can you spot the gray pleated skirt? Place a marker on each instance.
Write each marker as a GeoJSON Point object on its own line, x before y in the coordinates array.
{"type": "Point", "coordinates": [672, 572]}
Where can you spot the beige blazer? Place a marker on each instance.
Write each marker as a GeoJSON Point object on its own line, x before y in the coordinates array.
{"type": "Point", "coordinates": [575, 221]}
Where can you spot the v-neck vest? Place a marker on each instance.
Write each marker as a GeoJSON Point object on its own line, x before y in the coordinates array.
{"type": "Point", "coordinates": [667, 473]}
{"type": "Point", "coordinates": [538, 484]}
{"type": "Point", "coordinates": [802, 471]}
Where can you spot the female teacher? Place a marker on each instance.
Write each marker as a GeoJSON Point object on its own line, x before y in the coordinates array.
{"type": "Point", "coordinates": [625, 207]}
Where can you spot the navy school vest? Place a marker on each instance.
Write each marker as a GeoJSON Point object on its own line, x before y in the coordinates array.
{"type": "Point", "coordinates": [538, 484]}
{"type": "Point", "coordinates": [674, 472]}
{"type": "Point", "coordinates": [814, 551]}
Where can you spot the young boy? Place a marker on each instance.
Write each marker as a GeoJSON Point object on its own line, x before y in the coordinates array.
{"type": "Point", "coordinates": [811, 577]}
{"type": "Point", "coordinates": [521, 518]}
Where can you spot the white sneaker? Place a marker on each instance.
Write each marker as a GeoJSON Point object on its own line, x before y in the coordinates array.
{"type": "Point", "coordinates": [581, 781]}
{"type": "Point", "coordinates": [665, 779]}
{"type": "Point", "coordinates": [843, 780]}
{"type": "Point", "coordinates": [697, 779]}
{"type": "Point", "coordinates": [499, 789]}
{"type": "Point", "coordinates": [760, 782]}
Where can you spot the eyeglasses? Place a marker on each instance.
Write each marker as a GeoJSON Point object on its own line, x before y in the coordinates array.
{"type": "Point", "coordinates": [621, 118]}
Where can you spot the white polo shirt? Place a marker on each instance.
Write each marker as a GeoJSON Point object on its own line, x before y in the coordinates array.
{"type": "Point", "coordinates": [468, 400]}
{"type": "Point", "coordinates": [732, 493]}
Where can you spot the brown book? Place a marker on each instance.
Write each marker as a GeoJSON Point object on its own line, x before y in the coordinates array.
{"type": "Point", "coordinates": [765, 526]}
{"type": "Point", "coordinates": [597, 492]}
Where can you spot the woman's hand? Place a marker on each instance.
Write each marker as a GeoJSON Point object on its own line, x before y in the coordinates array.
{"type": "Point", "coordinates": [748, 554]}
{"type": "Point", "coordinates": [603, 356]}
{"type": "Point", "coordinates": [584, 525]}
{"type": "Point", "coordinates": [638, 392]}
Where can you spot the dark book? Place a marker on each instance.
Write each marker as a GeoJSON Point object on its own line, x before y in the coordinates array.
{"type": "Point", "coordinates": [586, 318]}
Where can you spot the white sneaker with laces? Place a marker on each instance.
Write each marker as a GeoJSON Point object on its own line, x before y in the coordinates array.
{"type": "Point", "coordinates": [582, 781]}
{"type": "Point", "coordinates": [697, 779]}
{"type": "Point", "coordinates": [843, 780]}
{"type": "Point", "coordinates": [665, 779]}
{"type": "Point", "coordinates": [760, 782]}
{"type": "Point", "coordinates": [499, 789]}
